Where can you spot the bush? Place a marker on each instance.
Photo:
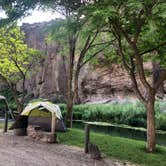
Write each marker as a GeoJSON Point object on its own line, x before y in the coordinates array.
{"type": "Point", "coordinates": [161, 121]}
{"type": "Point", "coordinates": [133, 114]}
{"type": "Point", "coordinates": [8, 94]}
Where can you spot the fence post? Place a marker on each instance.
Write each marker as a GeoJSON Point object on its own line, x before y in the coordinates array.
{"type": "Point", "coordinates": [87, 138]}
{"type": "Point", "coordinates": [6, 122]}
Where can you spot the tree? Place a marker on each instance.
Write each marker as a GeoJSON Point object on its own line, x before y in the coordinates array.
{"type": "Point", "coordinates": [16, 61]}
{"type": "Point", "coordinates": [69, 33]}
{"type": "Point", "coordinates": [72, 26]}
{"type": "Point", "coordinates": [138, 28]}
{"type": "Point", "coordinates": [71, 30]}
{"type": "Point", "coordinates": [80, 44]}
{"type": "Point", "coordinates": [16, 9]}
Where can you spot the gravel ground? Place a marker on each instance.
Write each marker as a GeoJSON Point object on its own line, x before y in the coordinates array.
{"type": "Point", "coordinates": [23, 151]}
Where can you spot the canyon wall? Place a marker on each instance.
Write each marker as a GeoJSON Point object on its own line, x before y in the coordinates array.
{"type": "Point", "coordinates": [96, 84]}
{"type": "Point", "coordinates": [50, 79]}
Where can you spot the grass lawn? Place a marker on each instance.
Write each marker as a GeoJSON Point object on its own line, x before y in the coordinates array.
{"type": "Point", "coordinates": [116, 147]}
{"type": "Point", "coordinates": [1, 125]}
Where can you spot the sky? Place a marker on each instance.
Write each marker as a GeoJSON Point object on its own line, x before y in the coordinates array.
{"type": "Point", "coordinates": [36, 16]}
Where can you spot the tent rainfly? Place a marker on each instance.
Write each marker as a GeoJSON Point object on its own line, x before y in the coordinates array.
{"type": "Point", "coordinates": [44, 114]}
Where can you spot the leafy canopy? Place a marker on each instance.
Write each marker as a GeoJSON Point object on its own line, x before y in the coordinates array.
{"type": "Point", "coordinates": [16, 9]}
{"type": "Point", "coordinates": [16, 59]}
{"type": "Point", "coordinates": [143, 22]}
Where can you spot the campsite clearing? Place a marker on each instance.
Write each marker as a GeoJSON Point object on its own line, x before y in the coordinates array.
{"type": "Point", "coordinates": [15, 150]}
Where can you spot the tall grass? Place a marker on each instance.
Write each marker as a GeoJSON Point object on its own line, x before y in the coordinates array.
{"type": "Point", "coordinates": [133, 114]}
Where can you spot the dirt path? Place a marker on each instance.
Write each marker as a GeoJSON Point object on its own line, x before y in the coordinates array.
{"type": "Point", "coordinates": [23, 151]}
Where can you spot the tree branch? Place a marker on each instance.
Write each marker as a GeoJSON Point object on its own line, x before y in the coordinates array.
{"type": "Point", "coordinates": [130, 70]}
{"type": "Point", "coordinates": [87, 46]}
{"type": "Point", "coordinates": [99, 44]}
{"type": "Point", "coordinates": [84, 50]}
{"type": "Point", "coordinates": [139, 25]}
{"type": "Point", "coordinates": [120, 52]}
{"type": "Point", "coordinates": [152, 49]}
{"type": "Point", "coordinates": [134, 80]}
{"type": "Point", "coordinates": [137, 56]}
{"type": "Point", "coordinates": [93, 39]}
{"type": "Point", "coordinates": [91, 57]}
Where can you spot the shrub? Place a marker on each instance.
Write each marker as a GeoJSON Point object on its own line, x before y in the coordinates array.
{"type": "Point", "coordinates": [161, 121]}
{"type": "Point", "coordinates": [8, 94]}
{"type": "Point", "coordinates": [133, 114]}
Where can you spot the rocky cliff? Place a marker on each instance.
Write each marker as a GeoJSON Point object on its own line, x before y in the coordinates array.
{"type": "Point", "coordinates": [97, 84]}
{"type": "Point", "coordinates": [50, 80]}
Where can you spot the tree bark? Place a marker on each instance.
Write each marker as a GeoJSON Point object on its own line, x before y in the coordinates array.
{"type": "Point", "coordinates": [18, 103]}
{"type": "Point", "coordinates": [69, 113]}
{"type": "Point", "coordinates": [70, 96]}
{"type": "Point", "coordinates": [6, 120]}
{"type": "Point", "coordinates": [151, 134]}
{"type": "Point", "coordinates": [77, 99]}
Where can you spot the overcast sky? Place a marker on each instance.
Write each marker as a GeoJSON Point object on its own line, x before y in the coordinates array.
{"type": "Point", "coordinates": [36, 16]}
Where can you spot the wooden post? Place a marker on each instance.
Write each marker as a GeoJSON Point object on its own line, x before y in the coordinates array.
{"type": "Point", "coordinates": [6, 121]}
{"type": "Point", "coordinates": [53, 136]}
{"type": "Point", "coordinates": [53, 123]}
{"type": "Point", "coordinates": [87, 138]}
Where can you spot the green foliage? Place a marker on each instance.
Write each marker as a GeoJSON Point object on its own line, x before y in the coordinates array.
{"type": "Point", "coordinates": [143, 21]}
{"type": "Point", "coordinates": [124, 113]}
{"type": "Point", "coordinates": [17, 62]}
{"type": "Point", "coordinates": [16, 58]}
{"type": "Point", "coordinates": [62, 29]}
{"type": "Point", "coordinates": [161, 121]}
{"type": "Point", "coordinates": [115, 147]}
{"type": "Point", "coordinates": [58, 30]}
{"type": "Point", "coordinates": [17, 9]}
{"type": "Point", "coordinates": [8, 94]}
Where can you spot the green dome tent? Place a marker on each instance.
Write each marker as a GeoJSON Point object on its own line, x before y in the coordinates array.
{"type": "Point", "coordinates": [44, 114]}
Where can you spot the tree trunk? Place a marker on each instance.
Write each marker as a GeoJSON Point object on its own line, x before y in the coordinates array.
{"type": "Point", "coordinates": [69, 117]}
{"type": "Point", "coordinates": [69, 114]}
{"type": "Point", "coordinates": [77, 99]}
{"type": "Point", "coordinates": [19, 108]}
{"type": "Point", "coordinates": [18, 103]}
{"type": "Point", "coordinates": [151, 136]}
{"type": "Point", "coordinates": [6, 120]}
